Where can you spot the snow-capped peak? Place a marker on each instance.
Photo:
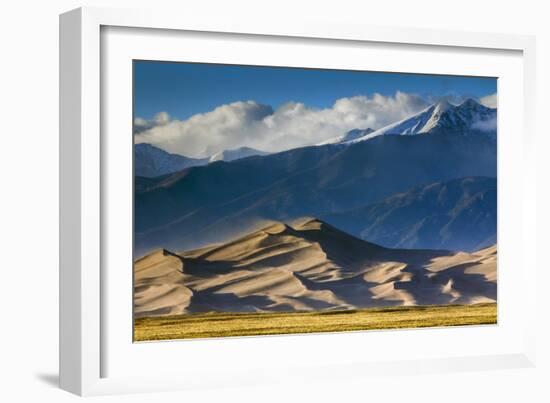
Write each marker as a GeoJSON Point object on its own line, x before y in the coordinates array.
{"type": "Point", "coordinates": [437, 110]}
{"type": "Point", "coordinates": [442, 117]}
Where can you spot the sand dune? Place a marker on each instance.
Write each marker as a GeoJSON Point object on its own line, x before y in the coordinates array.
{"type": "Point", "coordinates": [308, 265]}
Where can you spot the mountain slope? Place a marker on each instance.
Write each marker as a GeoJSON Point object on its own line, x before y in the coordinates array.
{"type": "Point", "coordinates": [235, 154]}
{"type": "Point", "coordinates": [470, 117]}
{"type": "Point", "coordinates": [208, 204]}
{"type": "Point", "coordinates": [307, 266]}
{"type": "Point", "coordinates": [349, 136]}
{"type": "Point", "coordinates": [151, 161]}
{"type": "Point", "coordinates": [459, 214]}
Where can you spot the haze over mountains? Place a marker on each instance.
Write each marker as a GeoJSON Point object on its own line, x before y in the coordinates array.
{"type": "Point", "coordinates": [308, 265]}
{"type": "Point", "coordinates": [459, 214]}
{"type": "Point", "coordinates": [425, 182]}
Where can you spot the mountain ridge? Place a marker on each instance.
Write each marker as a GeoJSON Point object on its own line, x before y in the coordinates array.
{"type": "Point", "coordinates": [151, 161]}
{"type": "Point", "coordinates": [457, 214]}
{"type": "Point", "coordinates": [235, 154]}
{"type": "Point", "coordinates": [310, 181]}
{"type": "Point", "coordinates": [469, 117]}
{"type": "Point", "coordinates": [348, 136]}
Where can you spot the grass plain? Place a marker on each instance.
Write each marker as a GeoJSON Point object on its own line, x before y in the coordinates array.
{"type": "Point", "coordinates": [215, 324]}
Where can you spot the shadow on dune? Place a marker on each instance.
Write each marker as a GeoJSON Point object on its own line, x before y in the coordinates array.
{"type": "Point", "coordinates": [207, 301]}
{"type": "Point", "coordinates": [308, 265]}
{"type": "Point", "coordinates": [201, 267]}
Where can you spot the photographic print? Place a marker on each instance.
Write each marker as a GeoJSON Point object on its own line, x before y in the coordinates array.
{"type": "Point", "coordinates": [275, 200]}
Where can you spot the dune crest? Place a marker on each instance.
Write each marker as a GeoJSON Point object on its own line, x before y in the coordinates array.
{"type": "Point", "coordinates": [308, 265]}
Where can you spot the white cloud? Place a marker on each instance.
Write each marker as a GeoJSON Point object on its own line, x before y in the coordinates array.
{"type": "Point", "coordinates": [255, 125]}
{"type": "Point", "coordinates": [485, 125]}
{"type": "Point", "coordinates": [141, 125]}
{"type": "Point", "coordinates": [489, 101]}
{"type": "Point", "coordinates": [161, 118]}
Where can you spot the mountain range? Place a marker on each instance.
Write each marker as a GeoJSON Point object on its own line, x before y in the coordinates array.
{"type": "Point", "coordinates": [468, 118]}
{"type": "Point", "coordinates": [235, 154]}
{"type": "Point", "coordinates": [427, 181]}
{"type": "Point", "coordinates": [151, 161]}
{"type": "Point", "coordinates": [459, 214]}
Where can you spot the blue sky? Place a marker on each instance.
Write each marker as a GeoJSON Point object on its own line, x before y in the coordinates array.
{"type": "Point", "coordinates": [185, 89]}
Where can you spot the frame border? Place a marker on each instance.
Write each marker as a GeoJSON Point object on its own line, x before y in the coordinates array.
{"type": "Point", "coordinates": [80, 306]}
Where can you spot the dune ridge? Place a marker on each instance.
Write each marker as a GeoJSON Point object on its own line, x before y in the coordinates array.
{"type": "Point", "coordinates": [305, 266]}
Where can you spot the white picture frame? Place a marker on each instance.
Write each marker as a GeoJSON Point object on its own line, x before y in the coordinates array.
{"type": "Point", "coordinates": [86, 347]}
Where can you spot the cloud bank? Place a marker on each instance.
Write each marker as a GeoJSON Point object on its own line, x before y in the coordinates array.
{"type": "Point", "coordinates": [252, 124]}
{"type": "Point", "coordinates": [489, 101]}
{"type": "Point", "coordinates": [294, 124]}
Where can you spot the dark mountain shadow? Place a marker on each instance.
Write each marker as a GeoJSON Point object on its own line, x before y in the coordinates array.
{"type": "Point", "coordinates": [460, 214]}
{"type": "Point", "coordinates": [207, 204]}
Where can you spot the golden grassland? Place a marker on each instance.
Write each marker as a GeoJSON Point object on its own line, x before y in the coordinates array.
{"type": "Point", "coordinates": [217, 324]}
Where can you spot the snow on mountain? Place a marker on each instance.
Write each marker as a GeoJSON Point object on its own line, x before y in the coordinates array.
{"type": "Point", "coordinates": [351, 135]}
{"type": "Point", "coordinates": [151, 161]}
{"type": "Point", "coordinates": [235, 154]}
{"type": "Point", "coordinates": [470, 117]}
